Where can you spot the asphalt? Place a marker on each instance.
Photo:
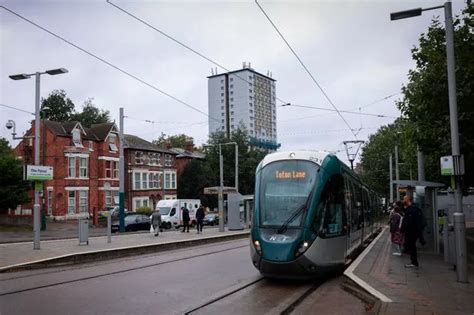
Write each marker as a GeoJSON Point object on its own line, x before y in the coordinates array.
{"type": "Point", "coordinates": [430, 289]}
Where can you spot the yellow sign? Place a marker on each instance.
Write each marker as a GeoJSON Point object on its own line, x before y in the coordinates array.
{"type": "Point", "coordinates": [290, 174]}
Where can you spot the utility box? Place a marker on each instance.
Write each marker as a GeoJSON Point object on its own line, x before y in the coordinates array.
{"type": "Point", "coordinates": [233, 211]}
{"type": "Point", "coordinates": [83, 231]}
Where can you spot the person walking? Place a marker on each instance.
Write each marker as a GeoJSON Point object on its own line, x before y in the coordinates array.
{"type": "Point", "coordinates": [396, 221]}
{"type": "Point", "coordinates": [199, 218]}
{"type": "Point", "coordinates": [186, 219]}
{"type": "Point", "coordinates": [156, 221]}
{"type": "Point", "coordinates": [412, 226]}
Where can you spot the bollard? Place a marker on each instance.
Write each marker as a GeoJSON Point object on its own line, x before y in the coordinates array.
{"type": "Point", "coordinates": [109, 227]}
{"type": "Point", "coordinates": [83, 231]}
{"type": "Point", "coordinates": [445, 240]}
{"type": "Point", "coordinates": [461, 258]}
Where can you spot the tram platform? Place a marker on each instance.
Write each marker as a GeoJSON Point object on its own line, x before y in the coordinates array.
{"type": "Point", "coordinates": [21, 255]}
{"type": "Point", "coordinates": [430, 289]}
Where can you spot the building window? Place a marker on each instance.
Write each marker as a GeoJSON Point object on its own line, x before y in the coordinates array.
{"type": "Point", "coordinates": [232, 119]}
{"type": "Point", "coordinates": [82, 167]}
{"type": "Point", "coordinates": [222, 107]}
{"type": "Point", "coordinates": [231, 99]}
{"type": "Point", "coordinates": [232, 113]}
{"type": "Point", "coordinates": [139, 202]}
{"type": "Point", "coordinates": [168, 160]}
{"type": "Point", "coordinates": [108, 169]}
{"type": "Point", "coordinates": [222, 114]}
{"type": "Point", "coordinates": [222, 94]}
{"type": "Point", "coordinates": [138, 157]}
{"type": "Point", "coordinates": [250, 104]}
{"type": "Point", "coordinates": [91, 145]}
{"type": "Point", "coordinates": [222, 81]}
{"type": "Point", "coordinates": [222, 127]}
{"type": "Point", "coordinates": [231, 79]}
{"type": "Point", "coordinates": [222, 88]}
{"type": "Point", "coordinates": [71, 202]}
{"type": "Point", "coordinates": [76, 138]}
{"type": "Point", "coordinates": [137, 181]}
{"type": "Point", "coordinates": [71, 167]}
{"type": "Point", "coordinates": [250, 111]}
{"type": "Point", "coordinates": [112, 143]}
{"type": "Point", "coordinates": [83, 201]}
{"type": "Point", "coordinates": [222, 120]}
{"type": "Point", "coordinates": [231, 92]}
{"type": "Point", "coordinates": [250, 90]}
{"type": "Point", "coordinates": [231, 86]}
{"type": "Point", "coordinates": [170, 180]}
{"type": "Point", "coordinates": [231, 106]}
{"type": "Point", "coordinates": [108, 199]}
{"type": "Point", "coordinates": [144, 180]}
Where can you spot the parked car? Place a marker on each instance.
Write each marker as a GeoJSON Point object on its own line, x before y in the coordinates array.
{"type": "Point", "coordinates": [211, 219]}
{"type": "Point", "coordinates": [133, 222]}
{"type": "Point", "coordinates": [114, 211]}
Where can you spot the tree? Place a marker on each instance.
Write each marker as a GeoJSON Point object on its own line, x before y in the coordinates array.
{"type": "Point", "coordinates": [425, 102]}
{"type": "Point", "coordinates": [13, 189]}
{"type": "Point", "coordinates": [91, 114]}
{"type": "Point", "coordinates": [57, 106]}
{"type": "Point", "coordinates": [176, 141]}
{"type": "Point", "coordinates": [194, 178]}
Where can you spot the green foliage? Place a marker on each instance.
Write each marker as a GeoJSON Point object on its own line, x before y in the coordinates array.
{"type": "Point", "coordinates": [144, 210]}
{"type": "Point", "coordinates": [176, 141]}
{"type": "Point", "coordinates": [91, 114]}
{"type": "Point", "coordinates": [426, 102]}
{"type": "Point", "coordinates": [57, 106]}
{"type": "Point", "coordinates": [192, 181]}
{"type": "Point", "coordinates": [13, 189]}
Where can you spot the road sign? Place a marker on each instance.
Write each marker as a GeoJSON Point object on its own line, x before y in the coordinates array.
{"type": "Point", "coordinates": [38, 172]}
{"type": "Point", "coordinates": [215, 190]}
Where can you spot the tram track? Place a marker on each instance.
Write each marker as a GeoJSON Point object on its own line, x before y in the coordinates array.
{"type": "Point", "coordinates": [121, 271]}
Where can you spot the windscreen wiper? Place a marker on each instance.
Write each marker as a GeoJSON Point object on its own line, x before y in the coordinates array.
{"type": "Point", "coordinates": [301, 209]}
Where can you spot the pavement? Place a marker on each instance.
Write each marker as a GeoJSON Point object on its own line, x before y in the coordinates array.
{"type": "Point", "coordinates": [20, 255]}
{"type": "Point", "coordinates": [430, 289]}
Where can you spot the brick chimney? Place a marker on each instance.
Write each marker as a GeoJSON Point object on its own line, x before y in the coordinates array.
{"type": "Point", "coordinates": [189, 145]}
{"type": "Point", "coordinates": [168, 145]}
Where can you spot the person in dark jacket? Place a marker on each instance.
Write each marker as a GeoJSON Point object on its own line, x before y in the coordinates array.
{"type": "Point", "coordinates": [412, 226]}
{"type": "Point", "coordinates": [156, 221]}
{"type": "Point", "coordinates": [199, 218]}
{"type": "Point", "coordinates": [186, 219]}
{"type": "Point", "coordinates": [396, 222]}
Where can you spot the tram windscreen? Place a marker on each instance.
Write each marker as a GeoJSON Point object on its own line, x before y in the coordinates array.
{"type": "Point", "coordinates": [285, 187]}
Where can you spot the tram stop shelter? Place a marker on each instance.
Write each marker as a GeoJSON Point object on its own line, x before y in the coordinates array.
{"type": "Point", "coordinates": [424, 195]}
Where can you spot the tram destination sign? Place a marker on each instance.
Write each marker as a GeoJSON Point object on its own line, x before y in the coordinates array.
{"type": "Point", "coordinates": [38, 172]}
{"type": "Point", "coordinates": [290, 174]}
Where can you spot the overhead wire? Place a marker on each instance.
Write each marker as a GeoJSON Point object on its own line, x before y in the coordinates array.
{"type": "Point", "coordinates": [342, 111]}
{"type": "Point", "coordinates": [306, 69]}
{"type": "Point", "coordinates": [16, 108]}
{"type": "Point", "coordinates": [108, 63]}
{"type": "Point", "coordinates": [170, 37]}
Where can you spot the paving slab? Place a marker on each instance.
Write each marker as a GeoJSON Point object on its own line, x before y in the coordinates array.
{"type": "Point", "coordinates": [15, 255]}
{"type": "Point", "coordinates": [430, 289]}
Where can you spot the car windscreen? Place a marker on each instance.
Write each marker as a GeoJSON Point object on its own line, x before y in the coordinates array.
{"type": "Point", "coordinates": [164, 210]}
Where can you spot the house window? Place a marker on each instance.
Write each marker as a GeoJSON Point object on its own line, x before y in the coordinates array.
{"type": "Point", "coordinates": [168, 160]}
{"type": "Point", "coordinates": [145, 180]}
{"type": "Point", "coordinates": [112, 143]}
{"type": "Point", "coordinates": [158, 158]}
{"type": "Point", "coordinates": [108, 169]}
{"type": "Point", "coordinates": [110, 197]}
{"type": "Point", "coordinates": [139, 202]}
{"type": "Point", "coordinates": [137, 181]}
{"type": "Point", "coordinates": [71, 167]}
{"type": "Point", "coordinates": [91, 145]}
{"type": "Point", "coordinates": [231, 86]}
{"type": "Point", "coordinates": [167, 181]}
{"type": "Point", "coordinates": [138, 157]}
{"type": "Point", "coordinates": [152, 158]}
{"type": "Point", "coordinates": [76, 138]}
{"type": "Point", "coordinates": [173, 180]}
{"type": "Point", "coordinates": [231, 79]}
{"type": "Point", "coordinates": [222, 94]}
{"type": "Point", "coordinates": [116, 169]}
{"type": "Point", "coordinates": [83, 201]}
{"type": "Point", "coordinates": [71, 202]}
{"type": "Point", "coordinates": [222, 88]}
{"type": "Point", "coordinates": [82, 167]}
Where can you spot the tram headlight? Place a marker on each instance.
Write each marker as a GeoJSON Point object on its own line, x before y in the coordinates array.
{"type": "Point", "coordinates": [302, 248]}
{"type": "Point", "coordinates": [257, 246]}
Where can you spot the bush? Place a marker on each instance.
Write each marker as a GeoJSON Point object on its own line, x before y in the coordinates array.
{"type": "Point", "coordinates": [144, 210]}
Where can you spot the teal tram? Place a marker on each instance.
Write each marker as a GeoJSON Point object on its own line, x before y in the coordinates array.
{"type": "Point", "coordinates": [312, 213]}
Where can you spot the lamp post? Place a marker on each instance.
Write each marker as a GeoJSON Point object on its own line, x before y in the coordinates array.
{"type": "Point", "coordinates": [221, 181]}
{"type": "Point", "coordinates": [36, 207]}
{"type": "Point", "coordinates": [459, 224]}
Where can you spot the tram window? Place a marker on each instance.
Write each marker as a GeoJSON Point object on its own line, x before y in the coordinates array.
{"type": "Point", "coordinates": [332, 208]}
{"type": "Point", "coordinates": [357, 215]}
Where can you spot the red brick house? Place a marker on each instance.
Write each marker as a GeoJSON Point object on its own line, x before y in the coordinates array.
{"type": "Point", "coordinates": [85, 162]}
{"type": "Point", "coordinates": [184, 156]}
{"type": "Point", "coordinates": [150, 173]}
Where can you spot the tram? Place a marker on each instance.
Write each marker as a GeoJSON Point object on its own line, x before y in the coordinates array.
{"type": "Point", "coordinates": [312, 213]}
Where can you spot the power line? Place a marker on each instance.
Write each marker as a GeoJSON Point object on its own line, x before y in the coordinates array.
{"type": "Point", "coordinates": [319, 132]}
{"type": "Point", "coordinates": [342, 111]}
{"type": "Point", "coordinates": [16, 108]}
{"type": "Point", "coordinates": [108, 63]}
{"type": "Point", "coordinates": [306, 69]}
{"type": "Point", "coordinates": [159, 122]}
{"type": "Point", "coordinates": [170, 37]}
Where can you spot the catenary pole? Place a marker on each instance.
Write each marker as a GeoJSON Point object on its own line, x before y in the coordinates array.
{"type": "Point", "coordinates": [121, 176]}
{"type": "Point", "coordinates": [459, 218]}
{"type": "Point", "coordinates": [36, 206]}
{"type": "Point", "coordinates": [397, 173]}
{"type": "Point", "coordinates": [391, 178]}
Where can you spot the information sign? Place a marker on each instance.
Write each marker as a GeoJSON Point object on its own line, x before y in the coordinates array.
{"type": "Point", "coordinates": [39, 172]}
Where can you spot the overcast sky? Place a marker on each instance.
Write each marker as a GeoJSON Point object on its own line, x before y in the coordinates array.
{"type": "Point", "coordinates": [352, 48]}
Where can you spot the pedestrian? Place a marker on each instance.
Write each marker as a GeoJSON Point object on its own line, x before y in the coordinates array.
{"type": "Point", "coordinates": [199, 218]}
{"type": "Point", "coordinates": [396, 221]}
{"type": "Point", "coordinates": [156, 221]}
{"type": "Point", "coordinates": [185, 219]}
{"type": "Point", "coordinates": [412, 227]}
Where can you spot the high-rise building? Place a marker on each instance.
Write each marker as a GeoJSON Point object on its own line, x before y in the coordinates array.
{"type": "Point", "coordinates": [244, 98]}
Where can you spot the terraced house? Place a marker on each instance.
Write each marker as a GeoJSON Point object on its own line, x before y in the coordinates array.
{"type": "Point", "coordinates": [85, 162]}
{"type": "Point", "coordinates": [150, 173]}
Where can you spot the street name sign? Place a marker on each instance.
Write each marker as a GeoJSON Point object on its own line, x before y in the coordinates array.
{"type": "Point", "coordinates": [39, 172]}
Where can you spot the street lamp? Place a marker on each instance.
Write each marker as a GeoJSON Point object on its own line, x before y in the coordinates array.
{"type": "Point", "coordinates": [36, 207]}
{"type": "Point", "coordinates": [459, 218]}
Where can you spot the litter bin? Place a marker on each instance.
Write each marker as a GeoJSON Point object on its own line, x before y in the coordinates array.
{"type": "Point", "coordinates": [83, 231]}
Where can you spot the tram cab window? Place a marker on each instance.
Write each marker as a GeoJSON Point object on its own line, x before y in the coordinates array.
{"type": "Point", "coordinates": [332, 208]}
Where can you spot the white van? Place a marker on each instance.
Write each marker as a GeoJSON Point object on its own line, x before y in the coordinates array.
{"type": "Point", "coordinates": [171, 214]}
